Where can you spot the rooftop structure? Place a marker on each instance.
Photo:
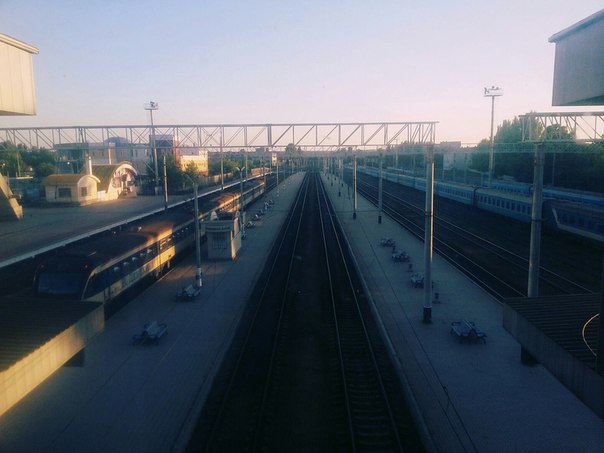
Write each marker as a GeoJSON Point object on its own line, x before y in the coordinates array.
{"type": "Point", "coordinates": [17, 91]}
{"type": "Point", "coordinates": [579, 68]}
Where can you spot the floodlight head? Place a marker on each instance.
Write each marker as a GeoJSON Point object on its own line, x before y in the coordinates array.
{"type": "Point", "coordinates": [152, 105]}
{"type": "Point", "coordinates": [493, 91]}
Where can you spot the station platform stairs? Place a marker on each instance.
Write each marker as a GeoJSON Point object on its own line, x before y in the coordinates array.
{"type": "Point", "coordinates": [10, 209]}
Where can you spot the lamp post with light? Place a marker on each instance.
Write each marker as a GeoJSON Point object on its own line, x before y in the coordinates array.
{"type": "Point", "coordinates": [152, 105]}
{"type": "Point", "coordinates": [197, 233]}
{"type": "Point", "coordinates": [492, 92]}
{"type": "Point", "coordinates": [240, 170]}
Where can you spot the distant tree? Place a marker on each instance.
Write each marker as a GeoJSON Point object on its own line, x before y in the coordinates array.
{"type": "Point", "coordinates": [174, 175]}
{"type": "Point", "coordinates": [44, 169]}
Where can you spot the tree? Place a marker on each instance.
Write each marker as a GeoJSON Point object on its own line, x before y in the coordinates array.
{"type": "Point", "coordinates": [44, 169]}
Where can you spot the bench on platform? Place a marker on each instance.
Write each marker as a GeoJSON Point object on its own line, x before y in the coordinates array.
{"type": "Point", "coordinates": [151, 332]}
{"type": "Point", "coordinates": [189, 292]}
{"type": "Point", "coordinates": [467, 331]}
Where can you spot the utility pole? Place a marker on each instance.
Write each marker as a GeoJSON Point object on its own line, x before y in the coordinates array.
{"type": "Point", "coordinates": [492, 92]}
{"type": "Point", "coordinates": [380, 193]}
{"type": "Point", "coordinates": [198, 280]}
{"type": "Point", "coordinates": [428, 234]}
{"type": "Point", "coordinates": [154, 106]}
{"type": "Point", "coordinates": [165, 185]}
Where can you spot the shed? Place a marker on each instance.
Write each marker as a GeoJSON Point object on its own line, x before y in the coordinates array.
{"type": "Point", "coordinates": [71, 188]}
{"type": "Point", "coordinates": [223, 236]}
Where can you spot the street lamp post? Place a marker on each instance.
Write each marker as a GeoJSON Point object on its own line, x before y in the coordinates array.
{"type": "Point", "coordinates": [492, 92]}
{"type": "Point", "coordinates": [198, 280]}
{"type": "Point", "coordinates": [240, 169]}
{"type": "Point", "coordinates": [154, 106]}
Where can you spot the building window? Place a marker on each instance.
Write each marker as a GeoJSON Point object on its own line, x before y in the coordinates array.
{"type": "Point", "coordinates": [83, 191]}
{"type": "Point", "coordinates": [64, 192]}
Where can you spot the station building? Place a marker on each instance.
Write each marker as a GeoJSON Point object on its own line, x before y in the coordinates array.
{"type": "Point", "coordinates": [98, 183]}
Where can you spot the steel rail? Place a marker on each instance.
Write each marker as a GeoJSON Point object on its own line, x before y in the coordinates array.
{"type": "Point", "coordinates": [348, 375]}
{"type": "Point", "coordinates": [282, 308]}
{"type": "Point", "coordinates": [233, 376]}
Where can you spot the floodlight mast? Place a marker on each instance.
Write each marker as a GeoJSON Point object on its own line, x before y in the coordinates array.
{"type": "Point", "coordinates": [152, 105]}
{"type": "Point", "coordinates": [492, 92]}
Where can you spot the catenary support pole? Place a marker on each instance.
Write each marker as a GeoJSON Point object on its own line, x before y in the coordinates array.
{"type": "Point", "coordinates": [380, 193]}
{"type": "Point", "coordinates": [428, 234]}
{"type": "Point", "coordinates": [355, 195]}
{"type": "Point", "coordinates": [536, 220]}
{"type": "Point", "coordinates": [165, 185]}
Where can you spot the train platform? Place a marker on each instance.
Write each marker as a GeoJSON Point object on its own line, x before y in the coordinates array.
{"type": "Point", "coordinates": [45, 228]}
{"type": "Point", "coordinates": [145, 397]}
{"type": "Point", "coordinates": [468, 396]}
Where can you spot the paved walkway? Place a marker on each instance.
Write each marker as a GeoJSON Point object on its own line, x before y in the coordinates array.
{"type": "Point", "coordinates": [471, 397]}
{"type": "Point", "coordinates": [144, 399]}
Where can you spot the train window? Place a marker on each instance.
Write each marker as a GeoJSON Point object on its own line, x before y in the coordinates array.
{"type": "Point", "coordinates": [94, 286]}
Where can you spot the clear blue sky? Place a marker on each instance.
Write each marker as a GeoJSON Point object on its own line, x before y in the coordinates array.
{"type": "Point", "coordinates": [285, 61]}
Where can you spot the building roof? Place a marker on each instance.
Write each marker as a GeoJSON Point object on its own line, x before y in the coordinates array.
{"type": "Point", "coordinates": [66, 179]}
{"type": "Point", "coordinates": [582, 24]}
{"type": "Point", "coordinates": [105, 172]}
{"type": "Point", "coordinates": [18, 44]}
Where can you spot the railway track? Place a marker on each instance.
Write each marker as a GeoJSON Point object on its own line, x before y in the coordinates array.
{"type": "Point", "coordinates": [307, 374]}
{"type": "Point", "coordinates": [502, 272]}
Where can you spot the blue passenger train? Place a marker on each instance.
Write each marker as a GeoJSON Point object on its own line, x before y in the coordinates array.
{"type": "Point", "coordinates": [570, 211]}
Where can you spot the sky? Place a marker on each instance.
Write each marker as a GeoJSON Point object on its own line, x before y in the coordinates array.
{"type": "Point", "coordinates": [281, 61]}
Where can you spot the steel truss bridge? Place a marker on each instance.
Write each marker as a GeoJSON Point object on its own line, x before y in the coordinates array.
{"type": "Point", "coordinates": [307, 136]}
{"type": "Point", "coordinates": [583, 127]}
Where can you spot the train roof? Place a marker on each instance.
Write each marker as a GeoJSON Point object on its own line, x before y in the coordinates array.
{"type": "Point", "coordinates": [583, 193]}
{"type": "Point", "coordinates": [115, 243]}
{"type": "Point", "coordinates": [576, 206]}
{"type": "Point", "coordinates": [505, 194]}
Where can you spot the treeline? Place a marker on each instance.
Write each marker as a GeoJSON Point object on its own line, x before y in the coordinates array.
{"type": "Point", "coordinates": [567, 164]}
{"type": "Point", "coordinates": [17, 160]}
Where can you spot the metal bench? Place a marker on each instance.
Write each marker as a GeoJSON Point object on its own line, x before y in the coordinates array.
{"type": "Point", "coordinates": [189, 292]}
{"type": "Point", "coordinates": [467, 331]}
{"type": "Point", "coordinates": [151, 332]}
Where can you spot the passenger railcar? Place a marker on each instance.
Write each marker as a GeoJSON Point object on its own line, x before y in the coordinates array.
{"type": "Point", "coordinates": [514, 200]}
{"type": "Point", "coordinates": [457, 192]}
{"type": "Point", "coordinates": [506, 204]}
{"type": "Point", "coordinates": [575, 218]}
{"type": "Point", "coordinates": [101, 269]}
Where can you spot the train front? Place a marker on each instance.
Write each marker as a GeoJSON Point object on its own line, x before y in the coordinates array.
{"type": "Point", "coordinates": [63, 277]}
